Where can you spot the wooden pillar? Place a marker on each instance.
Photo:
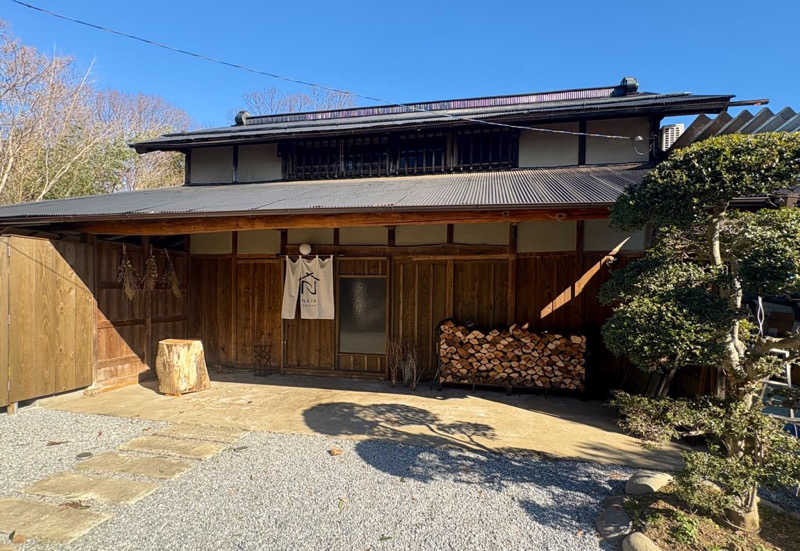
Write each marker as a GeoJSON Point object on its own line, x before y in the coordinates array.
{"type": "Point", "coordinates": [582, 142]}
{"type": "Point", "coordinates": [234, 353]}
{"type": "Point", "coordinates": [284, 241]}
{"type": "Point", "coordinates": [94, 284]}
{"type": "Point", "coordinates": [148, 310]}
{"type": "Point", "coordinates": [187, 167]}
{"type": "Point", "coordinates": [187, 299]}
{"type": "Point", "coordinates": [581, 263]}
{"type": "Point", "coordinates": [449, 282]}
{"type": "Point", "coordinates": [511, 298]}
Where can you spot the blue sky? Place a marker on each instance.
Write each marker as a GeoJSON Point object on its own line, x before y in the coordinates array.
{"type": "Point", "coordinates": [408, 50]}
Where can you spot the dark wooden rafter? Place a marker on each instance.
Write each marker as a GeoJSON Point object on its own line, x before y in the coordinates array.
{"type": "Point", "coordinates": [179, 226]}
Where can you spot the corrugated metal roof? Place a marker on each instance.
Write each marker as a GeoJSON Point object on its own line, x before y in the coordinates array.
{"type": "Point", "coordinates": [517, 188]}
{"type": "Point", "coordinates": [544, 107]}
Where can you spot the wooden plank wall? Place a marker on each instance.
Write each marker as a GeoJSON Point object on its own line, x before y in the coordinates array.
{"type": "Point", "coordinates": [48, 340]}
{"type": "Point", "coordinates": [4, 275]}
{"type": "Point", "coordinates": [128, 331]}
{"type": "Point", "coordinates": [259, 293]}
{"type": "Point", "coordinates": [211, 310]}
{"type": "Point", "coordinates": [236, 303]}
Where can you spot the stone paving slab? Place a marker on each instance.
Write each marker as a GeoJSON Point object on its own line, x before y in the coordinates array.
{"type": "Point", "coordinates": [152, 467]}
{"type": "Point", "coordinates": [43, 521]}
{"type": "Point", "coordinates": [162, 445]}
{"type": "Point", "coordinates": [227, 435]}
{"type": "Point", "coordinates": [77, 486]}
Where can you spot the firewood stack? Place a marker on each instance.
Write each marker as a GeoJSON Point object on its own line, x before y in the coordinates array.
{"type": "Point", "coordinates": [512, 357]}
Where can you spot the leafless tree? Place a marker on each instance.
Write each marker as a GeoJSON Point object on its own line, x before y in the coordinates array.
{"type": "Point", "coordinates": [272, 100]}
{"type": "Point", "coordinates": [60, 137]}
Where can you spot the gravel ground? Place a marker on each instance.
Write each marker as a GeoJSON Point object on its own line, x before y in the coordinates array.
{"type": "Point", "coordinates": [283, 491]}
{"type": "Point", "coordinates": [37, 442]}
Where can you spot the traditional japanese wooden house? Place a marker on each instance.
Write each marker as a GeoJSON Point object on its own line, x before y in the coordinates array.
{"type": "Point", "coordinates": [489, 210]}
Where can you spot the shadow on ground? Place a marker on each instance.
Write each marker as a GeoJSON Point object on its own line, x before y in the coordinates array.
{"type": "Point", "coordinates": [432, 450]}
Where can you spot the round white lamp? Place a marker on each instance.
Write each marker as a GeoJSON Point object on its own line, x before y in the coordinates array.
{"type": "Point", "coordinates": [305, 249]}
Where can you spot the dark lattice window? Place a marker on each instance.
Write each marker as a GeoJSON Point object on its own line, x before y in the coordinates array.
{"type": "Point", "coordinates": [482, 150]}
{"type": "Point", "coordinates": [399, 154]}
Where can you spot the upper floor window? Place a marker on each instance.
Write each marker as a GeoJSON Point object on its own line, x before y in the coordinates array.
{"type": "Point", "coordinates": [400, 154]}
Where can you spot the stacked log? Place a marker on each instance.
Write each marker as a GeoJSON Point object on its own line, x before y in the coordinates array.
{"type": "Point", "coordinates": [513, 357]}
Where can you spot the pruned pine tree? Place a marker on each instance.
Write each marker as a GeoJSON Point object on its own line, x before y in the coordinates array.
{"type": "Point", "coordinates": [681, 305]}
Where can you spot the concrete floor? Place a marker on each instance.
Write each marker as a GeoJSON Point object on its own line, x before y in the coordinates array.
{"type": "Point", "coordinates": [559, 427]}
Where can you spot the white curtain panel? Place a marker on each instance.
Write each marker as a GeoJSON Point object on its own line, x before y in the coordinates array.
{"type": "Point", "coordinates": [310, 280]}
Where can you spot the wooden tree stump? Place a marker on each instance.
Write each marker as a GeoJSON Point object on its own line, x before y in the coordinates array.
{"type": "Point", "coordinates": [181, 367]}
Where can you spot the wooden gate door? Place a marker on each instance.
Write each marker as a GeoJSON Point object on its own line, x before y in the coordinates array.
{"type": "Point", "coordinates": [49, 333]}
{"type": "Point", "coordinates": [4, 321]}
{"type": "Point", "coordinates": [259, 293]}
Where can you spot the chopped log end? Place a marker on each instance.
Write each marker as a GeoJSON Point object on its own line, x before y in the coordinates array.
{"type": "Point", "coordinates": [181, 367]}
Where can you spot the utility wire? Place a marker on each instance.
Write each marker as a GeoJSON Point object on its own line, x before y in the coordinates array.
{"type": "Point", "coordinates": [312, 84]}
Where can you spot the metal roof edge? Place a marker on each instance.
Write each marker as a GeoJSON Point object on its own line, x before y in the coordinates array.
{"type": "Point", "coordinates": [260, 133]}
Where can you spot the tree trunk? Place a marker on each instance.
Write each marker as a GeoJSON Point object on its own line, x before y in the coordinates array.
{"type": "Point", "coordinates": [181, 367]}
{"type": "Point", "coordinates": [731, 358]}
{"type": "Point", "coordinates": [748, 518]}
{"type": "Point", "coordinates": [666, 382]}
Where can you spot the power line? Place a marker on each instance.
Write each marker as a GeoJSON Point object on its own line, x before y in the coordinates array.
{"type": "Point", "coordinates": [308, 83]}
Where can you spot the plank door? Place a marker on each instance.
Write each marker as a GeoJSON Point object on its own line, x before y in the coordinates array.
{"type": "Point", "coordinates": [259, 293]}
{"type": "Point", "coordinates": [51, 329]}
{"type": "Point", "coordinates": [4, 321]}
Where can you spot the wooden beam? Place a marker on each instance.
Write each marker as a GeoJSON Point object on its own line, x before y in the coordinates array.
{"type": "Point", "coordinates": [177, 226]}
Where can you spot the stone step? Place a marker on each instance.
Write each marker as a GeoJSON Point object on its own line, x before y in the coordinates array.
{"type": "Point", "coordinates": [152, 467]}
{"type": "Point", "coordinates": [46, 522]}
{"type": "Point", "coordinates": [163, 445]}
{"type": "Point", "coordinates": [227, 435]}
{"type": "Point", "coordinates": [78, 487]}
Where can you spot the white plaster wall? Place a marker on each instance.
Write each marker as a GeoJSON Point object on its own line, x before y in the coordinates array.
{"type": "Point", "coordinates": [429, 234]}
{"type": "Point", "coordinates": [599, 236]}
{"type": "Point", "coordinates": [211, 243]}
{"type": "Point", "coordinates": [606, 151]}
{"type": "Point", "coordinates": [313, 236]}
{"type": "Point", "coordinates": [543, 149]}
{"type": "Point", "coordinates": [259, 163]}
{"type": "Point", "coordinates": [259, 242]}
{"type": "Point", "coordinates": [374, 235]}
{"type": "Point", "coordinates": [481, 234]}
{"type": "Point", "coordinates": [212, 165]}
{"type": "Point", "coordinates": [546, 236]}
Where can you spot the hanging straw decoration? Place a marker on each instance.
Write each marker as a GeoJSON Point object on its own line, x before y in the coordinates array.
{"type": "Point", "coordinates": [172, 276]}
{"type": "Point", "coordinates": [126, 274]}
{"type": "Point", "coordinates": [150, 272]}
